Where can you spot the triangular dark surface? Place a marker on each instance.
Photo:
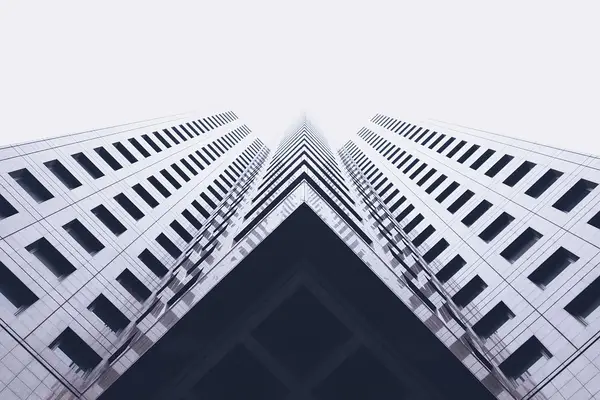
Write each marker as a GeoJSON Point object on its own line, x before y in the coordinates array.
{"type": "Point", "coordinates": [301, 317]}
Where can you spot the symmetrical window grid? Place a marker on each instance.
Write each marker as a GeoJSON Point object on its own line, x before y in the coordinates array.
{"type": "Point", "coordinates": [585, 303]}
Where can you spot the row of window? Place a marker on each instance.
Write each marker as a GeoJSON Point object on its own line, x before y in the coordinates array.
{"type": "Point", "coordinates": [542, 276]}
{"type": "Point", "coordinates": [566, 203]}
{"type": "Point", "coordinates": [68, 342]}
{"type": "Point", "coordinates": [580, 307]}
{"type": "Point", "coordinates": [202, 158]}
{"type": "Point", "coordinates": [302, 143]}
{"type": "Point", "coordinates": [301, 147]}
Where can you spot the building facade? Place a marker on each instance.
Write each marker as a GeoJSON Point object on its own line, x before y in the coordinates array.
{"type": "Point", "coordinates": [503, 236]}
{"type": "Point", "coordinates": [101, 232]}
{"type": "Point", "coordinates": [153, 259]}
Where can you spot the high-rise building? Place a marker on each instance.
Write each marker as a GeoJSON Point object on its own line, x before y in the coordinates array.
{"type": "Point", "coordinates": [102, 232]}
{"type": "Point", "coordinates": [179, 258]}
{"type": "Point", "coordinates": [503, 237]}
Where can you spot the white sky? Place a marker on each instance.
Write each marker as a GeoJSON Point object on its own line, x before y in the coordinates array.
{"type": "Point", "coordinates": [522, 68]}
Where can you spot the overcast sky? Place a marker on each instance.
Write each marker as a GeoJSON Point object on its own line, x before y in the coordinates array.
{"type": "Point", "coordinates": [523, 68]}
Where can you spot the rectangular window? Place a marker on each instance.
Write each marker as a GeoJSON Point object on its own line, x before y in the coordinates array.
{"type": "Point", "coordinates": [153, 263]}
{"type": "Point", "coordinates": [145, 195]}
{"type": "Point", "coordinates": [542, 184]}
{"type": "Point", "coordinates": [133, 285]}
{"type": "Point", "coordinates": [6, 209]}
{"type": "Point", "coordinates": [202, 157]}
{"type": "Point", "coordinates": [31, 185]}
{"type": "Point", "coordinates": [404, 161]}
{"type": "Point", "coordinates": [108, 158]}
{"type": "Point", "coordinates": [200, 209]}
{"type": "Point", "coordinates": [397, 204]}
{"type": "Point", "coordinates": [412, 164]}
{"type": "Point", "coordinates": [585, 302]}
{"type": "Point", "coordinates": [461, 201]}
{"type": "Point", "coordinates": [125, 152]}
{"type": "Point", "coordinates": [214, 192]}
{"type": "Point", "coordinates": [450, 269]}
{"type": "Point", "coordinates": [14, 290]}
{"type": "Point", "coordinates": [595, 220]}
{"type": "Point", "coordinates": [575, 195]}
{"type": "Point", "coordinates": [83, 236]}
{"type": "Point", "coordinates": [426, 177]}
{"type": "Point", "coordinates": [413, 223]}
{"type": "Point", "coordinates": [195, 161]}
{"type": "Point", "coordinates": [208, 201]}
{"type": "Point", "coordinates": [446, 192]}
{"type": "Point", "coordinates": [380, 184]}
{"type": "Point", "coordinates": [520, 245]}
{"type": "Point", "coordinates": [415, 133]}
{"type": "Point", "coordinates": [77, 350]}
{"type": "Point", "coordinates": [455, 150]}
{"type": "Point", "coordinates": [393, 153]}
{"type": "Point", "coordinates": [391, 196]}
{"type": "Point", "coordinates": [404, 213]}
{"type": "Point", "coordinates": [219, 149]}
{"type": "Point", "coordinates": [159, 186]}
{"type": "Point", "coordinates": [188, 166]}
{"type": "Point", "coordinates": [47, 254]}
{"type": "Point", "coordinates": [170, 178]}
{"type": "Point", "coordinates": [128, 206]}
{"type": "Point", "coordinates": [497, 226]}
{"type": "Point", "coordinates": [152, 144]}
{"type": "Point", "coordinates": [188, 131]}
{"type": "Point", "coordinates": [88, 165]}
{"type": "Point", "coordinates": [468, 154]}
{"type": "Point", "coordinates": [524, 358]}
{"type": "Point", "coordinates": [423, 236]}
{"type": "Point", "coordinates": [497, 167]}
{"type": "Point", "coordinates": [191, 219]}
{"type": "Point", "coordinates": [181, 231]}
{"type": "Point", "coordinates": [168, 245]}
{"type": "Point", "coordinates": [437, 141]}
{"type": "Point", "coordinates": [399, 157]}
{"type": "Point", "coordinates": [109, 314]}
{"type": "Point", "coordinates": [180, 172]}
{"type": "Point", "coordinates": [493, 320]}
{"type": "Point", "coordinates": [436, 250]}
{"type": "Point", "coordinates": [435, 184]}
{"type": "Point", "coordinates": [63, 174]}
{"type": "Point", "coordinates": [482, 159]}
{"type": "Point", "coordinates": [385, 190]}
{"type": "Point", "coordinates": [109, 220]}
{"type": "Point", "coordinates": [138, 146]}
{"type": "Point", "coordinates": [421, 136]}
{"type": "Point", "coordinates": [552, 267]}
{"type": "Point", "coordinates": [428, 138]}
{"type": "Point", "coordinates": [405, 132]}
{"type": "Point", "coordinates": [204, 125]}
{"type": "Point", "coordinates": [519, 173]}
{"type": "Point", "coordinates": [224, 179]}
{"type": "Point", "coordinates": [162, 140]}
{"type": "Point", "coordinates": [476, 213]}
{"type": "Point", "coordinates": [469, 292]}
{"type": "Point", "coordinates": [169, 134]}
{"type": "Point", "coordinates": [418, 171]}
{"type": "Point", "coordinates": [209, 154]}
{"type": "Point", "coordinates": [445, 145]}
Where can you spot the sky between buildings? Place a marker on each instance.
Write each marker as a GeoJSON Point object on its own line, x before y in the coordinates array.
{"type": "Point", "coordinates": [521, 68]}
